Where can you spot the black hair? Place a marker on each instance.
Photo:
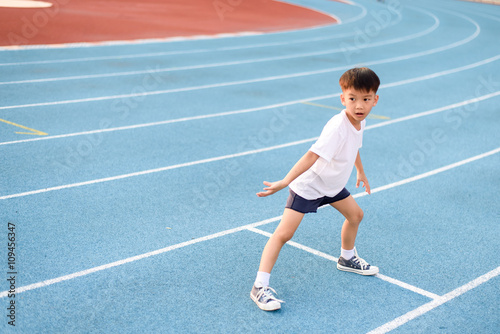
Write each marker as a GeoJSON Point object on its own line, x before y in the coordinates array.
{"type": "Point", "coordinates": [360, 78]}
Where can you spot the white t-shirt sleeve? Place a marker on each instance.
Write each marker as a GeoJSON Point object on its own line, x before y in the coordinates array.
{"type": "Point", "coordinates": [329, 142]}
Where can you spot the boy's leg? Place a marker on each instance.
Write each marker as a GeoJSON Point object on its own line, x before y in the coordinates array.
{"type": "Point", "coordinates": [261, 293]}
{"type": "Point", "coordinates": [284, 232]}
{"type": "Point", "coordinates": [353, 214]}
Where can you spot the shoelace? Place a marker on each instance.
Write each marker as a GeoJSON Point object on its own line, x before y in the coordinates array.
{"type": "Point", "coordinates": [267, 293]}
{"type": "Point", "coordinates": [362, 263]}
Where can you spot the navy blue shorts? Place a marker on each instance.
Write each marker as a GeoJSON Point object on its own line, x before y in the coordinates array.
{"type": "Point", "coordinates": [300, 204]}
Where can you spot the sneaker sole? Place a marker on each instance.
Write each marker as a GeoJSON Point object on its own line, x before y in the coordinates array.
{"type": "Point", "coordinates": [266, 307]}
{"type": "Point", "coordinates": [370, 272]}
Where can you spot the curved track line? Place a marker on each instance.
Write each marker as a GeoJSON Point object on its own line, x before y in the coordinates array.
{"type": "Point", "coordinates": [241, 82]}
{"type": "Point", "coordinates": [363, 14]}
{"type": "Point", "coordinates": [168, 53]}
{"type": "Point", "coordinates": [277, 105]}
{"type": "Point", "coordinates": [187, 38]}
{"type": "Point", "coordinates": [231, 48]}
{"type": "Point", "coordinates": [180, 52]}
{"type": "Point", "coordinates": [241, 154]}
{"type": "Point", "coordinates": [239, 62]}
{"type": "Point", "coordinates": [318, 11]}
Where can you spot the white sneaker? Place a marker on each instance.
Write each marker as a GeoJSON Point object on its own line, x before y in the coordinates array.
{"type": "Point", "coordinates": [264, 298]}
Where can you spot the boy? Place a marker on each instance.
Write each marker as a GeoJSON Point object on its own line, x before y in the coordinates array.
{"type": "Point", "coordinates": [319, 178]}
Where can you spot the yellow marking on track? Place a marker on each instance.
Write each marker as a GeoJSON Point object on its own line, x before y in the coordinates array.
{"type": "Point", "coordinates": [372, 116]}
{"type": "Point", "coordinates": [322, 105]}
{"type": "Point", "coordinates": [33, 131]}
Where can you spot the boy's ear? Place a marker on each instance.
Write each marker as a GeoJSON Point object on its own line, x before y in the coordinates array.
{"type": "Point", "coordinates": [375, 100]}
{"type": "Point", "coordinates": [342, 99]}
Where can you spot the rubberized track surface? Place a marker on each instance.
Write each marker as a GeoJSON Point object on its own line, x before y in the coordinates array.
{"type": "Point", "coordinates": [133, 198]}
{"type": "Point", "coordinates": [97, 21]}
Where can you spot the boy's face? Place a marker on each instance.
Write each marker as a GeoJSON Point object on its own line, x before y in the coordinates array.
{"type": "Point", "coordinates": [358, 104]}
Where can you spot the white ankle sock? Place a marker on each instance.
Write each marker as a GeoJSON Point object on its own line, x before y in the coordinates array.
{"type": "Point", "coordinates": [346, 254]}
{"type": "Point", "coordinates": [262, 279]}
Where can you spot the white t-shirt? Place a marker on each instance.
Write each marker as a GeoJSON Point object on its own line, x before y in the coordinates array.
{"type": "Point", "coordinates": [337, 147]}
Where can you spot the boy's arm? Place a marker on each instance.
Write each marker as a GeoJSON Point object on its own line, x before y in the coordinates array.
{"type": "Point", "coordinates": [300, 167]}
{"type": "Point", "coordinates": [361, 177]}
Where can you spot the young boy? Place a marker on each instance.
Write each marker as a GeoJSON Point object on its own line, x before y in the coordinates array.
{"type": "Point", "coordinates": [319, 178]}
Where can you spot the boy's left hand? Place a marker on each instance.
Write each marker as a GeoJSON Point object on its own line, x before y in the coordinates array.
{"type": "Point", "coordinates": [272, 187]}
{"type": "Point", "coordinates": [366, 185]}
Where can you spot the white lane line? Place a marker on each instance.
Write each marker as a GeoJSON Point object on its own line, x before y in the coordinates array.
{"type": "Point", "coordinates": [164, 40]}
{"type": "Point", "coordinates": [491, 17]}
{"type": "Point", "coordinates": [435, 171]}
{"type": "Point", "coordinates": [339, 21]}
{"type": "Point", "coordinates": [408, 286]}
{"type": "Point", "coordinates": [194, 241]}
{"type": "Point", "coordinates": [435, 303]}
{"type": "Point", "coordinates": [358, 17]}
{"type": "Point", "coordinates": [447, 72]}
{"type": "Point", "coordinates": [242, 111]}
{"type": "Point", "coordinates": [178, 39]}
{"type": "Point", "coordinates": [299, 142]}
{"type": "Point", "coordinates": [397, 83]}
{"type": "Point", "coordinates": [241, 62]}
{"type": "Point", "coordinates": [232, 63]}
{"type": "Point", "coordinates": [176, 120]}
{"type": "Point", "coordinates": [271, 78]}
{"type": "Point", "coordinates": [334, 259]}
{"type": "Point", "coordinates": [432, 111]}
{"type": "Point", "coordinates": [4, 294]}
{"type": "Point", "coordinates": [181, 52]}
{"type": "Point", "coordinates": [297, 245]}
{"type": "Point", "coordinates": [156, 170]}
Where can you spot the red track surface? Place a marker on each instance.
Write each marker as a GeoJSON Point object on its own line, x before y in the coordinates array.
{"type": "Point", "coordinates": [73, 21]}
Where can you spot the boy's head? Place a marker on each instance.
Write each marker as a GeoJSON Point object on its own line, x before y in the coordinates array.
{"type": "Point", "coordinates": [360, 79]}
{"type": "Point", "coordinates": [359, 93]}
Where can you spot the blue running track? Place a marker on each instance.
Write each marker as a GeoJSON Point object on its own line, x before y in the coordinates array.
{"type": "Point", "coordinates": [129, 173]}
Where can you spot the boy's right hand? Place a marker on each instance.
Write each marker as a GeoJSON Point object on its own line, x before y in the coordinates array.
{"type": "Point", "coordinates": [271, 188]}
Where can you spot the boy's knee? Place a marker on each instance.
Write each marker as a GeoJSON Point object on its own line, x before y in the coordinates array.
{"type": "Point", "coordinates": [357, 217]}
{"type": "Point", "coordinates": [283, 236]}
